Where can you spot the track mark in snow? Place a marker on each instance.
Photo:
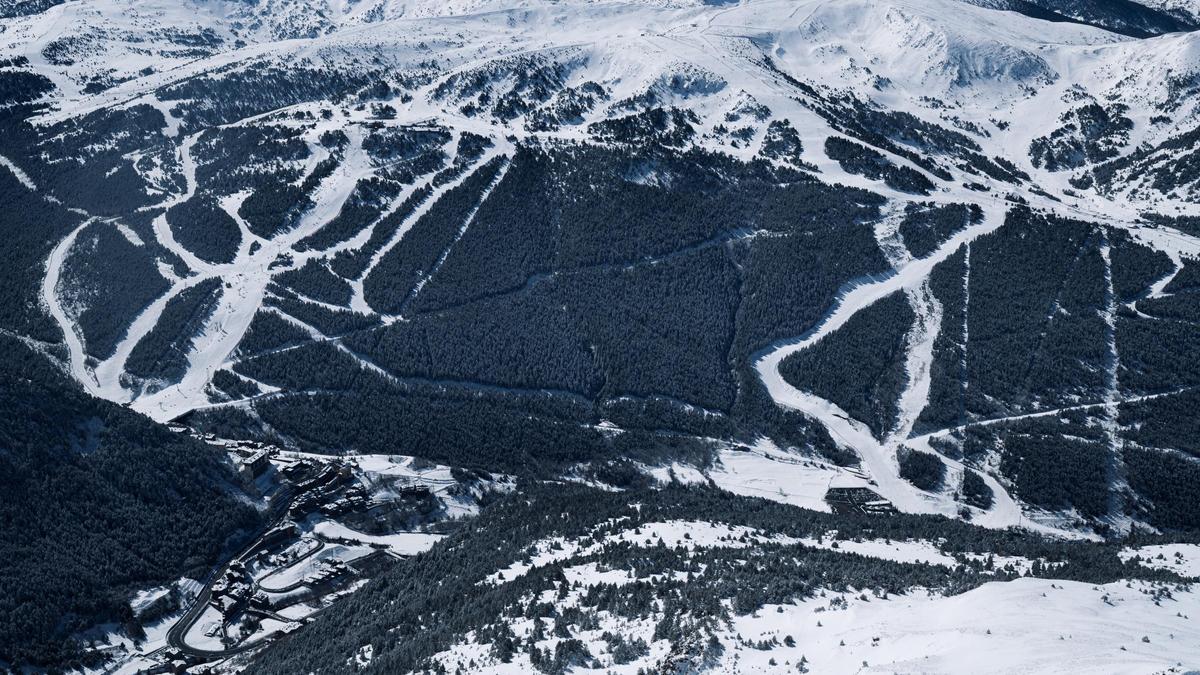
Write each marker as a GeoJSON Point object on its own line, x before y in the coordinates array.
{"type": "Point", "coordinates": [77, 360]}
{"type": "Point", "coordinates": [16, 171]}
{"type": "Point", "coordinates": [487, 192]}
{"type": "Point", "coordinates": [879, 458]}
{"type": "Point", "coordinates": [1118, 487]}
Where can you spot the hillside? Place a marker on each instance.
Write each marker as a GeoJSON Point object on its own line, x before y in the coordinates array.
{"type": "Point", "coordinates": [927, 259]}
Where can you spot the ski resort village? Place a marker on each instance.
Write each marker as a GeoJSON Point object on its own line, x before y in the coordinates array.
{"type": "Point", "coordinates": [599, 336]}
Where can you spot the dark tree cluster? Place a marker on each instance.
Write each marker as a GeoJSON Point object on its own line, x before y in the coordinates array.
{"type": "Point", "coordinates": [860, 367]}
{"type": "Point", "coordinates": [30, 229]}
{"type": "Point", "coordinates": [783, 143]}
{"type": "Point", "coordinates": [924, 470]}
{"type": "Point", "coordinates": [328, 321]}
{"type": "Point", "coordinates": [926, 226]}
{"type": "Point", "coordinates": [1165, 422]}
{"type": "Point", "coordinates": [1168, 482]}
{"type": "Point", "coordinates": [1134, 266]}
{"type": "Point", "coordinates": [391, 284]}
{"type": "Point", "coordinates": [206, 101]}
{"type": "Point", "coordinates": [163, 353]}
{"type": "Point", "coordinates": [201, 226]}
{"type": "Point", "coordinates": [1022, 275]}
{"type": "Point", "coordinates": [1089, 134]}
{"type": "Point", "coordinates": [1052, 469]}
{"type": "Point", "coordinates": [1166, 167]}
{"type": "Point", "coordinates": [98, 503]}
{"type": "Point", "coordinates": [268, 332]}
{"type": "Point", "coordinates": [669, 127]}
{"type": "Point", "coordinates": [975, 491]}
{"type": "Point", "coordinates": [364, 205]}
{"type": "Point", "coordinates": [226, 386]}
{"type": "Point", "coordinates": [351, 264]}
{"type": "Point", "coordinates": [111, 280]}
{"type": "Point", "coordinates": [1157, 356]}
{"type": "Point", "coordinates": [315, 280]}
{"type": "Point", "coordinates": [863, 161]}
{"type": "Point", "coordinates": [22, 86]}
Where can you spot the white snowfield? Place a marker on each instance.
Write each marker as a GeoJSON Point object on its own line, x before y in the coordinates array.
{"type": "Point", "coordinates": [1182, 559]}
{"type": "Point", "coordinates": [1023, 626]}
{"type": "Point", "coordinates": [1028, 625]}
{"type": "Point", "coordinates": [951, 63]}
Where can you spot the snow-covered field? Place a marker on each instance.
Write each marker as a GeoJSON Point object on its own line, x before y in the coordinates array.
{"type": "Point", "coordinates": [1021, 626]}
{"type": "Point", "coordinates": [1182, 559]}
{"type": "Point", "coordinates": [767, 472]}
{"type": "Point", "coordinates": [401, 543]}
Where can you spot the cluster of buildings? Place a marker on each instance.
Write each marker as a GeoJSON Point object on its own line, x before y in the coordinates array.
{"type": "Point", "coordinates": [232, 591]}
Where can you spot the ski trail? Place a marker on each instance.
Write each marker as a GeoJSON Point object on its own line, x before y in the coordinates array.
{"type": "Point", "coordinates": [108, 373]}
{"type": "Point", "coordinates": [879, 459]}
{"type": "Point", "coordinates": [964, 379]}
{"type": "Point", "coordinates": [416, 291]}
{"type": "Point", "coordinates": [77, 360]}
{"type": "Point", "coordinates": [245, 287]}
{"type": "Point", "coordinates": [16, 171]}
{"type": "Point", "coordinates": [1116, 467]}
{"type": "Point", "coordinates": [317, 336]}
{"type": "Point", "coordinates": [358, 300]}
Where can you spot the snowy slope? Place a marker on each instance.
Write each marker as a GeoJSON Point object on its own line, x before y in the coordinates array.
{"type": "Point", "coordinates": [992, 82]}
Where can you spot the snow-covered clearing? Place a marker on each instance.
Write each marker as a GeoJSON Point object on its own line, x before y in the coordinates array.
{"type": "Point", "coordinates": [1022, 626]}
{"type": "Point", "coordinates": [1182, 559]}
{"type": "Point", "coordinates": [400, 543]}
{"type": "Point", "coordinates": [780, 476]}
{"type": "Point", "coordinates": [674, 533]}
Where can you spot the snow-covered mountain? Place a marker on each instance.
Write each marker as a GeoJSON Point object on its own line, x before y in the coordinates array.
{"type": "Point", "coordinates": [930, 256]}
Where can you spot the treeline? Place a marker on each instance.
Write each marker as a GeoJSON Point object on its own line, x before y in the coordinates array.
{"type": "Point", "coordinates": [212, 100]}
{"type": "Point", "coordinates": [441, 595]}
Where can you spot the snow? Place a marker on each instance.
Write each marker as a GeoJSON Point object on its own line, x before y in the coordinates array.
{"type": "Point", "coordinates": [1023, 626]}
{"type": "Point", "coordinates": [979, 65]}
{"type": "Point", "coordinates": [674, 533]}
{"type": "Point", "coordinates": [879, 459]}
{"type": "Point", "coordinates": [1182, 559]}
{"type": "Point", "coordinates": [298, 573]}
{"type": "Point", "coordinates": [782, 477]}
{"type": "Point", "coordinates": [16, 171]}
{"type": "Point", "coordinates": [205, 633]}
{"type": "Point", "coordinates": [896, 551]}
{"type": "Point", "coordinates": [401, 543]}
